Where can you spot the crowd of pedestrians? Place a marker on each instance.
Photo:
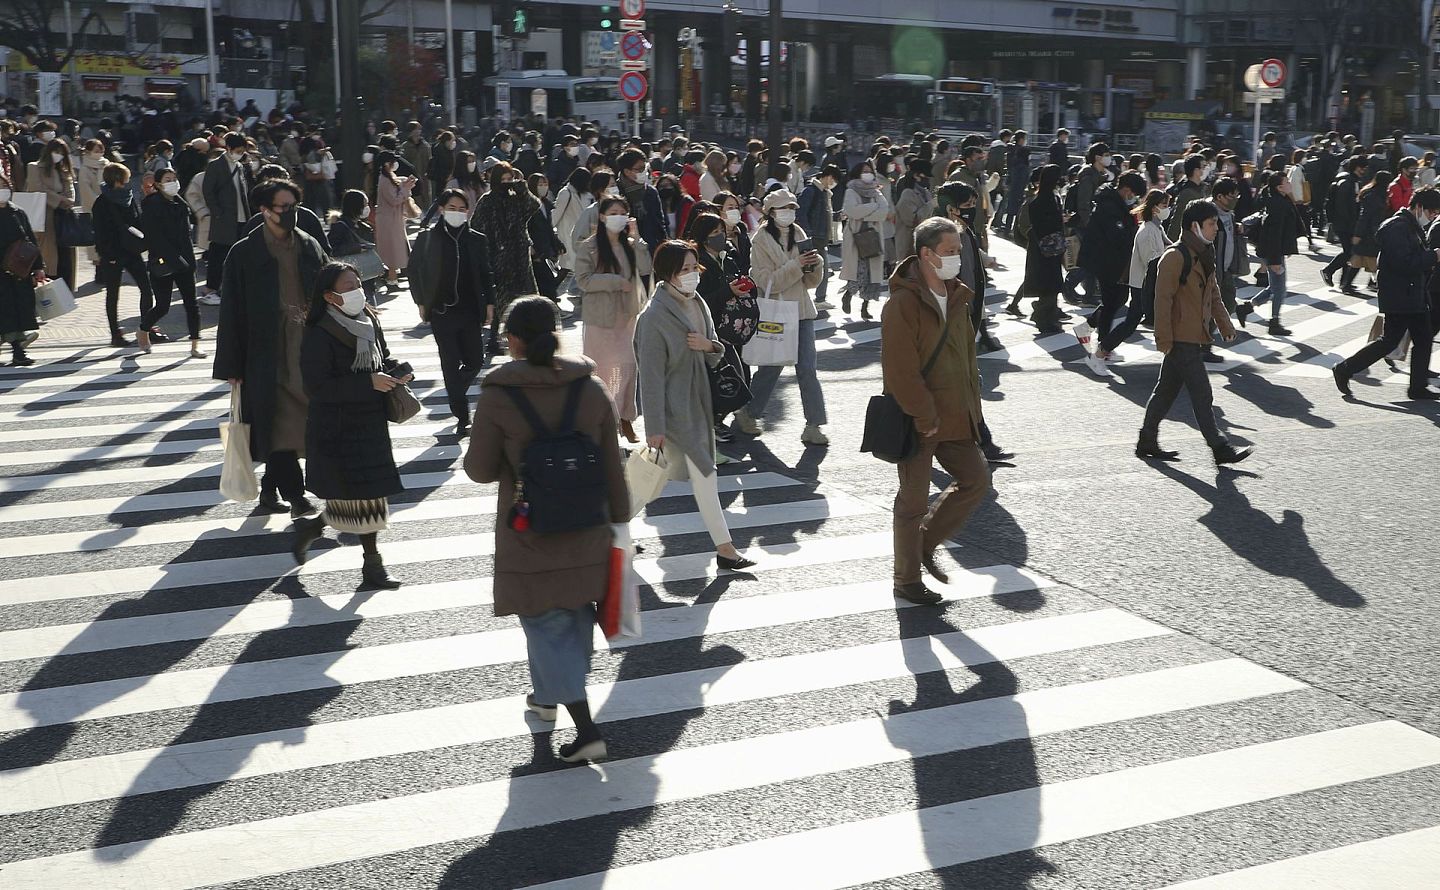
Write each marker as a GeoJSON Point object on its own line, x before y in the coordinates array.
{"type": "Point", "coordinates": [669, 255]}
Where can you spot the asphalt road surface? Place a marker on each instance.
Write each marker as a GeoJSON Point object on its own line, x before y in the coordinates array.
{"type": "Point", "coordinates": [1144, 676]}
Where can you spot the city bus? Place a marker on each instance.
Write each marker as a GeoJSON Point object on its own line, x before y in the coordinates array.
{"type": "Point", "coordinates": [557, 94]}
{"type": "Point", "coordinates": [960, 106]}
{"type": "Point", "coordinates": [892, 97]}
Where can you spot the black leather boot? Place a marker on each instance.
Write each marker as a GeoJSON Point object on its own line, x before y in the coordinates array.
{"type": "Point", "coordinates": [374, 575]}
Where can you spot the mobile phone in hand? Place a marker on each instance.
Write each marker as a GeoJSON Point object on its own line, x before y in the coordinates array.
{"type": "Point", "coordinates": [402, 369]}
{"type": "Point", "coordinates": [807, 245]}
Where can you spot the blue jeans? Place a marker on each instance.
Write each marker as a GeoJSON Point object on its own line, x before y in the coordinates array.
{"type": "Point", "coordinates": [1274, 288]}
{"type": "Point", "coordinates": [812, 400]}
{"type": "Point", "coordinates": [559, 643]}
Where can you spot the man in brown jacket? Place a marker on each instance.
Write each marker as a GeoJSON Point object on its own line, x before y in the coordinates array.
{"type": "Point", "coordinates": [929, 308]}
{"type": "Point", "coordinates": [1187, 299]}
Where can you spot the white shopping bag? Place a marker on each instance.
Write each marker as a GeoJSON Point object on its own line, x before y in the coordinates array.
{"type": "Point", "coordinates": [777, 336]}
{"type": "Point", "coordinates": [1082, 333]}
{"type": "Point", "coordinates": [237, 473]}
{"type": "Point", "coordinates": [33, 203]}
{"type": "Point", "coordinates": [53, 299]}
{"type": "Point", "coordinates": [646, 472]}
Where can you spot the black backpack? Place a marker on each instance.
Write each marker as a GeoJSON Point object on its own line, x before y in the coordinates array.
{"type": "Point", "coordinates": [561, 484]}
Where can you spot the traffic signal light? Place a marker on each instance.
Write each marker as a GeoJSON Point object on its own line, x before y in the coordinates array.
{"type": "Point", "coordinates": [607, 18]}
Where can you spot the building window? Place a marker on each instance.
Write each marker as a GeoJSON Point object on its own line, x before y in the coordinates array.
{"type": "Point", "coordinates": [144, 29]}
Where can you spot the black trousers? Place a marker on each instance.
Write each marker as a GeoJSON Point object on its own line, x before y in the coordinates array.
{"type": "Point", "coordinates": [460, 337]}
{"type": "Point", "coordinates": [1140, 307]}
{"type": "Point", "coordinates": [1183, 368]}
{"type": "Point", "coordinates": [185, 283]}
{"type": "Point", "coordinates": [113, 274]}
{"type": "Point", "coordinates": [215, 264]}
{"type": "Point", "coordinates": [283, 474]}
{"type": "Point", "coordinates": [1397, 324]}
{"type": "Point", "coordinates": [1113, 295]}
{"type": "Point", "coordinates": [1343, 257]}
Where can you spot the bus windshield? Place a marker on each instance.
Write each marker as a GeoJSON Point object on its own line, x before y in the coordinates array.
{"type": "Point", "coordinates": [597, 92]}
{"type": "Point", "coordinates": [964, 111]}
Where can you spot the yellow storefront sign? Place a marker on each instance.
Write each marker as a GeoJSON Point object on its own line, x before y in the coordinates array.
{"type": "Point", "coordinates": [112, 64]}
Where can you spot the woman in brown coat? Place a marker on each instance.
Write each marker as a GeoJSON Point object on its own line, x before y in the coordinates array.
{"type": "Point", "coordinates": [550, 580]}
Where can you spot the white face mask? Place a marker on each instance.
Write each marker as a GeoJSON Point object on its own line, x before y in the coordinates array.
{"type": "Point", "coordinates": [612, 192]}
{"type": "Point", "coordinates": [688, 282]}
{"type": "Point", "coordinates": [784, 217]}
{"type": "Point", "coordinates": [949, 267]}
{"type": "Point", "coordinates": [867, 177]}
{"type": "Point", "coordinates": [171, 188]}
{"type": "Point", "coordinates": [367, 157]}
{"type": "Point", "coordinates": [46, 136]}
{"type": "Point", "coordinates": [572, 150]}
{"type": "Point", "coordinates": [1199, 231]}
{"type": "Point", "coordinates": [455, 218]}
{"type": "Point", "coordinates": [734, 169]}
{"type": "Point", "coordinates": [1162, 214]}
{"type": "Point", "coordinates": [354, 302]}
{"type": "Point", "coordinates": [617, 222]}
{"type": "Point", "coordinates": [732, 216]}
{"type": "Point", "coordinates": [469, 166]}
{"type": "Point", "coordinates": [4, 197]}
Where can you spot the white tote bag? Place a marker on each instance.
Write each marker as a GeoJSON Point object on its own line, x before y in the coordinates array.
{"type": "Point", "coordinates": [237, 473]}
{"type": "Point", "coordinates": [53, 299]}
{"type": "Point", "coordinates": [646, 472]}
{"type": "Point", "coordinates": [777, 336]}
{"type": "Point", "coordinates": [33, 203]}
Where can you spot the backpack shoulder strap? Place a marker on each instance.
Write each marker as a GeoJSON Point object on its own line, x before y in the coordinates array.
{"type": "Point", "coordinates": [522, 402]}
{"type": "Point", "coordinates": [572, 406]}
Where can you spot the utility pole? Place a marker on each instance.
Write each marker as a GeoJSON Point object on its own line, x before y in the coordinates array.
{"type": "Point", "coordinates": [210, 57]}
{"type": "Point", "coordinates": [777, 35]}
{"type": "Point", "coordinates": [450, 97]}
{"type": "Point", "coordinates": [352, 128]}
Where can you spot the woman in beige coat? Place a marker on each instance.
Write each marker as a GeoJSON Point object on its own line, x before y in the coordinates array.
{"type": "Point", "coordinates": [608, 267]}
{"type": "Point", "coordinates": [866, 207]}
{"type": "Point", "coordinates": [552, 581]}
{"type": "Point", "coordinates": [54, 176]}
{"type": "Point", "coordinates": [782, 271]}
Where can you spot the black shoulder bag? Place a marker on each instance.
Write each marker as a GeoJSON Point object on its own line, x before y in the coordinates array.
{"type": "Point", "coordinates": [889, 432]}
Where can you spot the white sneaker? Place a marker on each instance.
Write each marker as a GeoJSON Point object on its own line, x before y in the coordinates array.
{"type": "Point", "coordinates": [813, 435]}
{"type": "Point", "coordinates": [1097, 365]}
{"type": "Point", "coordinates": [210, 299]}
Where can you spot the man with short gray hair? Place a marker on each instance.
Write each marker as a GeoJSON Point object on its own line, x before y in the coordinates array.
{"type": "Point", "coordinates": [927, 358]}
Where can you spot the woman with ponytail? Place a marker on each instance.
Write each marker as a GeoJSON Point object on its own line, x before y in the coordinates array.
{"type": "Point", "coordinates": [551, 580]}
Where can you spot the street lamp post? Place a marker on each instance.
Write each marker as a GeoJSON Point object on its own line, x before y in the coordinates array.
{"type": "Point", "coordinates": [210, 58]}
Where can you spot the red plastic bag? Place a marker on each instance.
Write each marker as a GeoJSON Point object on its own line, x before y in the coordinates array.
{"type": "Point", "coordinates": [619, 611]}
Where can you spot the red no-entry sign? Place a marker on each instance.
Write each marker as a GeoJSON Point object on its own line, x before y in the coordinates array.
{"type": "Point", "coordinates": [633, 46]}
{"type": "Point", "coordinates": [633, 86]}
{"type": "Point", "coordinates": [1272, 73]}
{"type": "Point", "coordinates": [632, 9]}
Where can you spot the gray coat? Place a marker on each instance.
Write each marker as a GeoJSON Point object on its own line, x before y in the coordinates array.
{"type": "Point", "coordinates": [675, 379]}
{"type": "Point", "coordinates": [223, 202]}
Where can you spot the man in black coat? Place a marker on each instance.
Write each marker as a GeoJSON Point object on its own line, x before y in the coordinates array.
{"type": "Point", "coordinates": [1406, 261]}
{"type": "Point", "coordinates": [1060, 148]}
{"type": "Point", "coordinates": [1105, 253]}
{"type": "Point", "coordinates": [450, 281]}
{"type": "Point", "coordinates": [226, 188]}
{"type": "Point", "coordinates": [257, 342]}
{"type": "Point", "coordinates": [1342, 206]}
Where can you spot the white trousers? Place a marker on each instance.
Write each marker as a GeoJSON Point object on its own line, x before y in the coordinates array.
{"type": "Point", "coordinates": [707, 497]}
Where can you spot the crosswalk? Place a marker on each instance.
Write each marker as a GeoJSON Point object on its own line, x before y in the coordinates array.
{"type": "Point", "coordinates": [1325, 327]}
{"type": "Point", "coordinates": [182, 706]}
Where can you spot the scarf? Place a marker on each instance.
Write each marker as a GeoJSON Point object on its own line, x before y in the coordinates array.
{"type": "Point", "coordinates": [634, 193]}
{"type": "Point", "coordinates": [1204, 253]}
{"type": "Point", "coordinates": [367, 348]}
{"type": "Point", "coordinates": [122, 197]}
{"type": "Point", "coordinates": [866, 190]}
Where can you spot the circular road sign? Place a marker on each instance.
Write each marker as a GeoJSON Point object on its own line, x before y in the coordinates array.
{"type": "Point", "coordinates": [633, 86]}
{"type": "Point", "coordinates": [1272, 73]}
{"type": "Point", "coordinates": [632, 9]}
{"type": "Point", "coordinates": [632, 45]}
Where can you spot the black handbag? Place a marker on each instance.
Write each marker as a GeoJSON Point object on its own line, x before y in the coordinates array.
{"type": "Point", "coordinates": [74, 229]}
{"type": "Point", "coordinates": [889, 432]}
{"type": "Point", "coordinates": [729, 388]}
